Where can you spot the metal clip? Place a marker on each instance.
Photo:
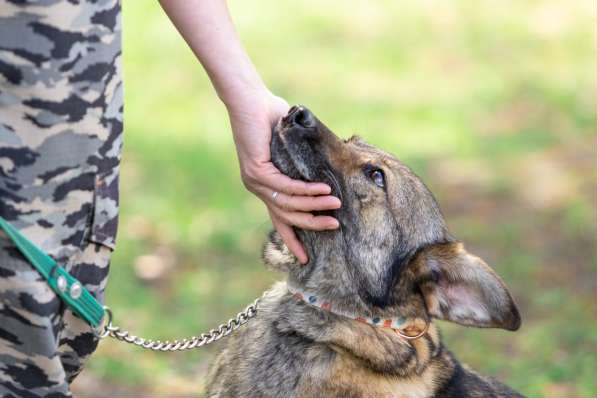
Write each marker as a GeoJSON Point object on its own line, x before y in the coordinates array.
{"type": "Point", "coordinates": [103, 330]}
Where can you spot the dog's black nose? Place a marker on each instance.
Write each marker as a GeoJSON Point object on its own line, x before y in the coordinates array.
{"type": "Point", "coordinates": [300, 116]}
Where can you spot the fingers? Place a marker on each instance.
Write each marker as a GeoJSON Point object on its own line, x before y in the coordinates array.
{"type": "Point", "coordinates": [272, 178]}
{"type": "Point", "coordinates": [306, 220]}
{"type": "Point", "coordinates": [297, 187]}
{"type": "Point", "coordinates": [306, 203]}
{"type": "Point", "coordinates": [293, 195]}
{"type": "Point", "coordinates": [289, 237]}
{"type": "Point", "coordinates": [292, 204]}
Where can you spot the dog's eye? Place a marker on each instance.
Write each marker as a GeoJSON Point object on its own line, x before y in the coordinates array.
{"type": "Point", "coordinates": [378, 177]}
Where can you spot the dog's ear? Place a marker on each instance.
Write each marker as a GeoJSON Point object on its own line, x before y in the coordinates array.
{"type": "Point", "coordinates": [460, 287]}
{"type": "Point", "coordinates": [276, 255]}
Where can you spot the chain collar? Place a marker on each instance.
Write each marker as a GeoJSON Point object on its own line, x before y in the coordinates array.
{"type": "Point", "coordinates": [404, 329]}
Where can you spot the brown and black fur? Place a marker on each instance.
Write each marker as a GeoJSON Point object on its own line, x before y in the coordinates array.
{"type": "Point", "coordinates": [391, 255]}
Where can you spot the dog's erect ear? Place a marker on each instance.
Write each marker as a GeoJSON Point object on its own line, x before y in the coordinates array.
{"type": "Point", "coordinates": [462, 288]}
{"type": "Point", "coordinates": [276, 255]}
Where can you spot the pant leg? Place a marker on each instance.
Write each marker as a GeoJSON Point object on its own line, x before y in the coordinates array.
{"type": "Point", "coordinates": [30, 320]}
{"type": "Point", "coordinates": [43, 345]}
{"type": "Point", "coordinates": [76, 338]}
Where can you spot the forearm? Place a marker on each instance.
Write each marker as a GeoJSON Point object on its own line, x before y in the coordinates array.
{"type": "Point", "coordinates": [207, 28]}
{"type": "Point", "coordinates": [253, 110]}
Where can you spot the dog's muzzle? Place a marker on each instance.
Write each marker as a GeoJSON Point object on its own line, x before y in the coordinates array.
{"type": "Point", "coordinates": [299, 116]}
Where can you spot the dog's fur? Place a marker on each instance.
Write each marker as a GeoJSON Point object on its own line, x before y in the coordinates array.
{"type": "Point", "coordinates": [392, 255]}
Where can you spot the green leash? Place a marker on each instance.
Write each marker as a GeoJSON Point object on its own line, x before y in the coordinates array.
{"type": "Point", "coordinates": [68, 288]}
{"type": "Point", "coordinates": [82, 303]}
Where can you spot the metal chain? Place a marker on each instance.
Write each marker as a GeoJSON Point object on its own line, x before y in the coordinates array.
{"type": "Point", "coordinates": [185, 344]}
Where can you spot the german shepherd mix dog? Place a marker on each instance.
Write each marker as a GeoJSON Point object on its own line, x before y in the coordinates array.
{"type": "Point", "coordinates": [357, 321]}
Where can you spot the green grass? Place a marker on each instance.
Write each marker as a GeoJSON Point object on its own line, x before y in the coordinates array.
{"type": "Point", "coordinates": [485, 100]}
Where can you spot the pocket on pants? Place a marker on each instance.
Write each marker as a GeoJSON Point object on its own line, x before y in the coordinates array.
{"type": "Point", "coordinates": [104, 223]}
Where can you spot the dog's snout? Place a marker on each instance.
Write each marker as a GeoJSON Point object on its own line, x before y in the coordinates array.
{"type": "Point", "coordinates": [304, 118]}
{"type": "Point", "coordinates": [300, 116]}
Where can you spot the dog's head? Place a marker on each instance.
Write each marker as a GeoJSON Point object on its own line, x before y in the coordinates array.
{"type": "Point", "coordinates": [392, 250]}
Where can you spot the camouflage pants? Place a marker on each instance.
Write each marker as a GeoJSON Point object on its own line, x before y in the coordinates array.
{"type": "Point", "coordinates": [43, 345]}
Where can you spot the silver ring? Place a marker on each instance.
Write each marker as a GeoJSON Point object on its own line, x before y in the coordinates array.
{"type": "Point", "coordinates": [275, 195]}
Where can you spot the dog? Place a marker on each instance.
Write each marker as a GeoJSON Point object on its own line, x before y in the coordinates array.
{"type": "Point", "coordinates": [357, 320]}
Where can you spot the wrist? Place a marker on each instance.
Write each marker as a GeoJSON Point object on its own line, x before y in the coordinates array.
{"type": "Point", "coordinates": [248, 100]}
{"type": "Point", "coordinates": [239, 91]}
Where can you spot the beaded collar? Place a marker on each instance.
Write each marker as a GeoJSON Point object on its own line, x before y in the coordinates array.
{"type": "Point", "coordinates": [398, 324]}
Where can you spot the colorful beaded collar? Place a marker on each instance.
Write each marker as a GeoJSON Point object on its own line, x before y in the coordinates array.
{"type": "Point", "coordinates": [398, 324]}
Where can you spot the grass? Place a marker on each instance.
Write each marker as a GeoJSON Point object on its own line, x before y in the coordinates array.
{"type": "Point", "coordinates": [491, 102]}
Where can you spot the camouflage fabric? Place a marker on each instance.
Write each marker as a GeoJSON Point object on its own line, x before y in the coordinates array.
{"type": "Point", "coordinates": [43, 345]}
{"type": "Point", "coordinates": [60, 146]}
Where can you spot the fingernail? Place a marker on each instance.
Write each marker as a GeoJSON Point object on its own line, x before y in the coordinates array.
{"type": "Point", "coordinates": [335, 224]}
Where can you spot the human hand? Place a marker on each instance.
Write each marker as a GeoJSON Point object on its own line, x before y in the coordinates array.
{"type": "Point", "coordinates": [253, 110]}
{"type": "Point", "coordinates": [252, 118]}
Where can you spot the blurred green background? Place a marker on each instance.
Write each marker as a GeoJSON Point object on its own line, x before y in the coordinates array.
{"type": "Point", "coordinates": [492, 103]}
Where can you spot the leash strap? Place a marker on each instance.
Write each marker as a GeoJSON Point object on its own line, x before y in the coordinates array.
{"type": "Point", "coordinates": [68, 288]}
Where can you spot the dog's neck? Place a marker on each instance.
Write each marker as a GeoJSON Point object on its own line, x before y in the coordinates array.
{"type": "Point", "coordinates": [323, 280]}
{"type": "Point", "coordinates": [379, 349]}
{"type": "Point", "coordinates": [408, 328]}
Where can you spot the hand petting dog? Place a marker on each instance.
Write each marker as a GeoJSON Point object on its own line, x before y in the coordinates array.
{"type": "Point", "coordinates": [289, 202]}
{"type": "Point", "coordinates": [253, 111]}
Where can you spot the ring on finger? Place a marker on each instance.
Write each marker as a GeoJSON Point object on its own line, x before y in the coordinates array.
{"type": "Point", "coordinates": [275, 195]}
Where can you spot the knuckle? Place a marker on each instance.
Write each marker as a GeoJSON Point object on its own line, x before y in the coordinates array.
{"type": "Point", "coordinates": [248, 180]}
{"type": "Point", "coordinates": [314, 223]}
{"type": "Point", "coordinates": [285, 218]}
{"type": "Point", "coordinates": [317, 204]}
{"type": "Point", "coordinates": [251, 174]}
{"type": "Point", "coordinates": [276, 215]}
{"type": "Point", "coordinates": [308, 222]}
{"type": "Point", "coordinates": [301, 206]}
{"type": "Point", "coordinates": [284, 202]}
{"type": "Point", "coordinates": [310, 205]}
{"type": "Point", "coordinates": [305, 188]}
{"type": "Point", "coordinates": [300, 203]}
{"type": "Point", "coordinates": [288, 187]}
